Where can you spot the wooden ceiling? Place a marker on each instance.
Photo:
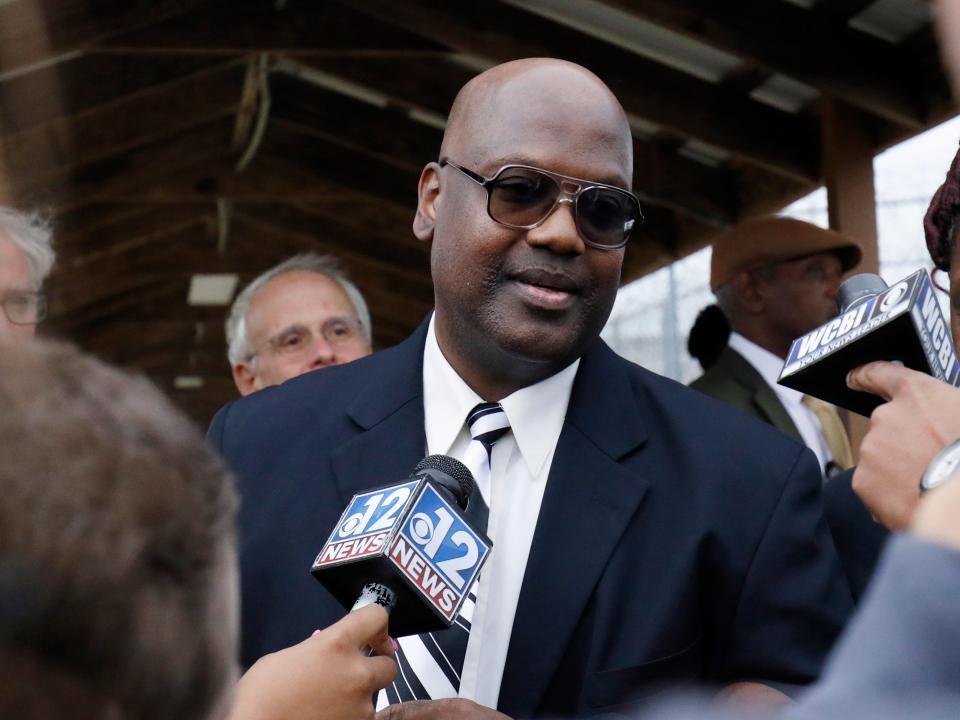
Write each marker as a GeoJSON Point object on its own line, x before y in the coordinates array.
{"type": "Point", "coordinates": [175, 137]}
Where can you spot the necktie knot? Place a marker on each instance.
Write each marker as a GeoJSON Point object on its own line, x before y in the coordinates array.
{"type": "Point", "coordinates": [488, 423]}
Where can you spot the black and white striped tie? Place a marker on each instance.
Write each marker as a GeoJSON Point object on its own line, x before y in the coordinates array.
{"type": "Point", "coordinates": [429, 665]}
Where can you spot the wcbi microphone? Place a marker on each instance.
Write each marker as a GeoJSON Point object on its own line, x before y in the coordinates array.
{"type": "Point", "coordinates": [902, 324]}
{"type": "Point", "coordinates": [408, 547]}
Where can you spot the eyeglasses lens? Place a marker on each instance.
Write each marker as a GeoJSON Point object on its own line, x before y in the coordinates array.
{"type": "Point", "coordinates": [606, 217]}
{"type": "Point", "coordinates": [522, 197]}
{"type": "Point", "coordinates": [24, 308]}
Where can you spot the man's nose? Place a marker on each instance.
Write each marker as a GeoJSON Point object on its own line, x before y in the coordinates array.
{"type": "Point", "coordinates": [321, 352]}
{"type": "Point", "coordinates": [833, 285]}
{"type": "Point", "coordinates": [558, 232]}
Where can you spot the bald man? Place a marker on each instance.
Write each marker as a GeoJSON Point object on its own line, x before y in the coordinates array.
{"type": "Point", "coordinates": [633, 544]}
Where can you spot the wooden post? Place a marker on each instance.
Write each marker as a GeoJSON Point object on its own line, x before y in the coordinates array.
{"type": "Point", "coordinates": [848, 152]}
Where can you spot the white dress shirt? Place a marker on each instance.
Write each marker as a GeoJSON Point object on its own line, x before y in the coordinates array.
{"type": "Point", "coordinates": [769, 367]}
{"type": "Point", "coordinates": [520, 465]}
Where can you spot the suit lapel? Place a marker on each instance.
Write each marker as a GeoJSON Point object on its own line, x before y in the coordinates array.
{"type": "Point", "coordinates": [589, 500]}
{"type": "Point", "coordinates": [389, 416]}
{"type": "Point", "coordinates": [761, 394]}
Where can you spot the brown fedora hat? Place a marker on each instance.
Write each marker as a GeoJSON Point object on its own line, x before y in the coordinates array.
{"type": "Point", "coordinates": [765, 240]}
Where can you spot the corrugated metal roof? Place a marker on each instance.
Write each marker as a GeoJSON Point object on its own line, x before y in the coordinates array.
{"type": "Point", "coordinates": [636, 35]}
{"type": "Point", "coordinates": [704, 153]}
{"type": "Point", "coordinates": [893, 20]}
{"type": "Point", "coordinates": [785, 93]}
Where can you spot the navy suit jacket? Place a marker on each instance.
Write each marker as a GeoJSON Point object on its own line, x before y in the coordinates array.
{"type": "Point", "coordinates": [678, 540]}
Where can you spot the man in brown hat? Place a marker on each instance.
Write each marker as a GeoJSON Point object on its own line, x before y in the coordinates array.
{"type": "Point", "coordinates": [775, 279]}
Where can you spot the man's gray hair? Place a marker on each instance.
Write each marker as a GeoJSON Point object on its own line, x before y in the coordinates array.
{"type": "Point", "coordinates": [32, 234]}
{"type": "Point", "coordinates": [238, 347]}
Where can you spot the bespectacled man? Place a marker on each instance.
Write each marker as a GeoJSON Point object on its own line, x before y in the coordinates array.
{"type": "Point", "coordinates": [26, 258]}
{"type": "Point", "coordinates": [644, 534]}
{"type": "Point", "coordinates": [298, 316]}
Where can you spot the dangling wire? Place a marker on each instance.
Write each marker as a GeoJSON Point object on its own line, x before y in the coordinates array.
{"type": "Point", "coordinates": [263, 111]}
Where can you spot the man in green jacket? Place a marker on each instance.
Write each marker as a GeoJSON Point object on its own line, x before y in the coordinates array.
{"type": "Point", "coordinates": [776, 279]}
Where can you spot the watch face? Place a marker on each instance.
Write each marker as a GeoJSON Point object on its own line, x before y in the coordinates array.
{"type": "Point", "coordinates": [942, 467]}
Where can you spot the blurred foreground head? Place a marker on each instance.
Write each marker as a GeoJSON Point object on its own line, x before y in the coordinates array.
{"type": "Point", "coordinates": [117, 583]}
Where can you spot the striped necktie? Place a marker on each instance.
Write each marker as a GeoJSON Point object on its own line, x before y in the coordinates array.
{"type": "Point", "coordinates": [429, 664]}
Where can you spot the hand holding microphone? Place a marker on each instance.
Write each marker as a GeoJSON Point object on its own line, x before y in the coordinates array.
{"type": "Point", "coordinates": [325, 677]}
{"type": "Point", "coordinates": [920, 417]}
{"type": "Point", "coordinates": [408, 547]}
{"type": "Point", "coordinates": [902, 324]}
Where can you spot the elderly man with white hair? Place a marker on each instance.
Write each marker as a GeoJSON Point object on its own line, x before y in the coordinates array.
{"type": "Point", "coordinates": [26, 258]}
{"type": "Point", "coordinates": [298, 316]}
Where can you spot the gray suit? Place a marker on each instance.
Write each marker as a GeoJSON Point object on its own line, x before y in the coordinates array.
{"type": "Point", "coordinates": [900, 655]}
{"type": "Point", "coordinates": [899, 658]}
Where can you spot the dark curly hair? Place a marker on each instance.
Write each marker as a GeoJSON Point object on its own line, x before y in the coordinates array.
{"type": "Point", "coordinates": [941, 218]}
{"type": "Point", "coordinates": [708, 336]}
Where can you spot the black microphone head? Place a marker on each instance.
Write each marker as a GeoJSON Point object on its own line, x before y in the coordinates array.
{"type": "Point", "coordinates": [449, 473]}
{"type": "Point", "coordinates": [857, 287]}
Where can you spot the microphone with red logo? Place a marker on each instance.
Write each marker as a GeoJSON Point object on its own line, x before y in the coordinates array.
{"type": "Point", "coordinates": [902, 324]}
{"type": "Point", "coordinates": [408, 547]}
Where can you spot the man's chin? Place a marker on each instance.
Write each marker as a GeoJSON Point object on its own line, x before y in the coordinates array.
{"type": "Point", "coordinates": [543, 349]}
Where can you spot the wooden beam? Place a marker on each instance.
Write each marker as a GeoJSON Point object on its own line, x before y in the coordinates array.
{"type": "Point", "coordinates": [180, 239]}
{"type": "Point", "coordinates": [840, 11]}
{"type": "Point", "coordinates": [647, 89]}
{"type": "Point", "coordinates": [82, 83]}
{"type": "Point", "coordinates": [342, 166]}
{"type": "Point", "coordinates": [387, 135]}
{"type": "Point", "coordinates": [40, 32]}
{"type": "Point", "coordinates": [113, 129]}
{"type": "Point", "coordinates": [351, 170]}
{"type": "Point", "coordinates": [851, 198]}
{"type": "Point", "coordinates": [230, 26]}
{"type": "Point", "coordinates": [83, 248]}
{"type": "Point", "coordinates": [400, 266]}
{"type": "Point", "coordinates": [94, 280]}
{"type": "Point", "coordinates": [130, 173]}
{"type": "Point", "coordinates": [659, 227]}
{"type": "Point", "coordinates": [866, 72]}
{"type": "Point", "coordinates": [848, 162]}
{"type": "Point", "coordinates": [660, 175]}
{"type": "Point", "coordinates": [430, 83]}
{"type": "Point", "coordinates": [762, 193]}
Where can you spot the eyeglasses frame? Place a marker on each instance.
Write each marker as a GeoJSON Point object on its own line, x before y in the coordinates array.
{"type": "Point", "coordinates": [270, 342]}
{"type": "Point", "coordinates": [42, 306]}
{"type": "Point", "coordinates": [567, 195]}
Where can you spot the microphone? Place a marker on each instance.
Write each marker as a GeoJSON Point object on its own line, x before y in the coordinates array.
{"type": "Point", "coordinates": [902, 324]}
{"type": "Point", "coordinates": [408, 547]}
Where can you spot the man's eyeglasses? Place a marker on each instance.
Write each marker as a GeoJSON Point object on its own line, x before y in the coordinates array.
{"type": "Point", "coordinates": [295, 340]}
{"type": "Point", "coordinates": [24, 307]}
{"type": "Point", "coordinates": [523, 197]}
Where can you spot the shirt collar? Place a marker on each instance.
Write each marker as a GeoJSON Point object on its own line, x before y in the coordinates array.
{"type": "Point", "coordinates": [536, 413]}
{"type": "Point", "coordinates": [765, 363]}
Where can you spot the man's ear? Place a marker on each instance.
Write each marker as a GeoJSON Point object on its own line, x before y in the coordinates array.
{"type": "Point", "coordinates": [748, 287]}
{"type": "Point", "coordinates": [428, 194]}
{"type": "Point", "coordinates": [244, 378]}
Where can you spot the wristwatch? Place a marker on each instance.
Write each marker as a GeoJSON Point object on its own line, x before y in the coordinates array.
{"type": "Point", "coordinates": [943, 467]}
